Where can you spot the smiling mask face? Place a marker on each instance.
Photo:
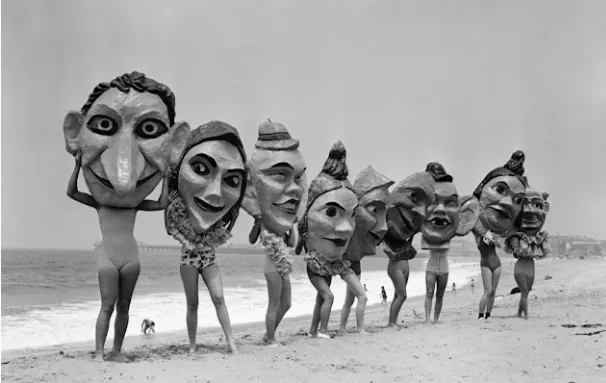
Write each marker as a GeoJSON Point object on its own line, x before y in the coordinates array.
{"type": "Point", "coordinates": [501, 202]}
{"type": "Point", "coordinates": [442, 215]}
{"type": "Point", "coordinates": [127, 142]}
{"type": "Point", "coordinates": [534, 211]}
{"type": "Point", "coordinates": [210, 182]}
{"type": "Point", "coordinates": [331, 222]}
{"type": "Point", "coordinates": [279, 181]}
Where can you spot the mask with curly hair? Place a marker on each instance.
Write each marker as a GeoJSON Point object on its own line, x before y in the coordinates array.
{"type": "Point", "coordinates": [328, 222]}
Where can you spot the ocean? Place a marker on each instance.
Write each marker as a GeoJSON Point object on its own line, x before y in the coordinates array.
{"type": "Point", "coordinates": [51, 297]}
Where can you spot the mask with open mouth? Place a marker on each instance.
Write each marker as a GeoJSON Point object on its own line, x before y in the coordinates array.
{"type": "Point", "coordinates": [277, 180]}
{"type": "Point", "coordinates": [450, 214]}
{"type": "Point", "coordinates": [128, 138]}
{"type": "Point", "coordinates": [328, 222]}
{"type": "Point", "coordinates": [211, 177]}
{"type": "Point", "coordinates": [534, 211]}
{"type": "Point", "coordinates": [372, 189]}
{"type": "Point", "coordinates": [407, 210]}
{"type": "Point", "coordinates": [500, 196]}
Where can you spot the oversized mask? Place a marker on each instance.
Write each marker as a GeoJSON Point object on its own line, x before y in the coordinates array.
{"type": "Point", "coordinates": [277, 174]}
{"type": "Point", "coordinates": [534, 211]}
{"type": "Point", "coordinates": [408, 208]}
{"type": "Point", "coordinates": [501, 195]}
{"type": "Point", "coordinates": [450, 214]}
{"type": "Point", "coordinates": [372, 189]}
{"type": "Point", "coordinates": [211, 177]}
{"type": "Point", "coordinates": [328, 222]}
{"type": "Point", "coordinates": [127, 134]}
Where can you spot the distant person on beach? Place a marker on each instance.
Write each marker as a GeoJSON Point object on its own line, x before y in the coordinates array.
{"type": "Point", "coordinates": [365, 287]}
{"type": "Point", "coordinates": [454, 289]}
{"type": "Point", "coordinates": [500, 195]}
{"type": "Point", "coordinates": [275, 192]}
{"type": "Point", "coordinates": [206, 191]}
{"type": "Point", "coordinates": [472, 285]}
{"type": "Point", "coordinates": [529, 243]}
{"type": "Point", "coordinates": [123, 155]}
{"type": "Point", "coordinates": [148, 325]}
{"type": "Point", "coordinates": [325, 230]}
{"type": "Point", "coordinates": [449, 215]}
{"type": "Point", "coordinates": [408, 207]}
{"type": "Point", "coordinates": [372, 190]}
{"type": "Point", "coordinates": [383, 296]}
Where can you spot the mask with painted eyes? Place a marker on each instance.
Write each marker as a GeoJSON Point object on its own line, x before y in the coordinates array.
{"type": "Point", "coordinates": [372, 189]}
{"type": "Point", "coordinates": [128, 137]}
{"type": "Point", "coordinates": [211, 179]}
{"type": "Point", "coordinates": [534, 211]}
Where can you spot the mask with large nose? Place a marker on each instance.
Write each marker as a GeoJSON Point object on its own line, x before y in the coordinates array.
{"type": "Point", "coordinates": [372, 189]}
{"type": "Point", "coordinates": [328, 222]}
{"type": "Point", "coordinates": [128, 137]}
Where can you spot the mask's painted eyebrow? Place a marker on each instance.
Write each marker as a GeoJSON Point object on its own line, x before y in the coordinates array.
{"type": "Point", "coordinates": [240, 171]}
{"type": "Point", "coordinates": [282, 165]}
{"type": "Point", "coordinates": [335, 205]}
{"type": "Point", "coordinates": [206, 157]}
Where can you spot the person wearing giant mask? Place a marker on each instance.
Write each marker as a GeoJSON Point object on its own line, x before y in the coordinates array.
{"type": "Point", "coordinates": [529, 242]}
{"type": "Point", "coordinates": [275, 189]}
{"type": "Point", "coordinates": [325, 230]}
{"type": "Point", "coordinates": [500, 196]}
{"type": "Point", "coordinates": [372, 190]}
{"type": "Point", "coordinates": [123, 139]}
{"type": "Point", "coordinates": [448, 216]}
{"type": "Point", "coordinates": [206, 190]}
{"type": "Point", "coordinates": [408, 203]}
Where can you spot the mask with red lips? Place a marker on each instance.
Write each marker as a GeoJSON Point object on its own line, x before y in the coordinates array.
{"type": "Point", "coordinates": [278, 178]}
{"type": "Point", "coordinates": [372, 189]}
{"type": "Point", "coordinates": [128, 137]}
{"type": "Point", "coordinates": [328, 222]}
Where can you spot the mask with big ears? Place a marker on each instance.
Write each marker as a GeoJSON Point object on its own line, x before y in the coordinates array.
{"type": "Point", "coordinates": [277, 183]}
{"type": "Point", "coordinates": [328, 222]}
{"type": "Point", "coordinates": [128, 137]}
{"type": "Point", "coordinates": [372, 189]}
{"type": "Point", "coordinates": [450, 214]}
{"type": "Point", "coordinates": [500, 196]}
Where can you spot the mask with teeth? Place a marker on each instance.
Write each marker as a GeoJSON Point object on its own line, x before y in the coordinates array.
{"type": "Point", "coordinates": [534, 211]}
{"type": "Point", "coordinates": [449, 214]}
{"type": "Point", "coordinates": [277, 185]}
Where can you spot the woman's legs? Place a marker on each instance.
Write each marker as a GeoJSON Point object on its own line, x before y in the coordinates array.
{"type": "Point", "coordinates": [430, 283]}
{"type": "Point", "coordinates": [487, 281]}
{"type": "Point", "coordinates": [285, 300]}
{"type": "Point", "coordinates": [214, 282]}
{"type": "Point", "coordinates": [523, 286]}
{"type": "Point", "coordinates": [189, 277]}
{"type": "Point", "coordinates": [496, 275]}
{"type": "Point", "coordinates": [398, 272]}
{"type": "Point", "coordinates": [129, 274]}
{"type": "Point", "coordinates": [109, 285]}
{"type": "Point", "coordinates": [275, 289]}
{"type": "Point", "coordinates": [354, 285]}
{"type": "Point", "coordinates": [349, 300]}
{"type": "Point", "coordinates": [442, 282]}
{"type": "Point", "coordinates": [324, 302]}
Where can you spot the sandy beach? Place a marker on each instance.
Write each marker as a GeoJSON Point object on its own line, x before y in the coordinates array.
{"type": "Point", "coordinates": [460, 348]}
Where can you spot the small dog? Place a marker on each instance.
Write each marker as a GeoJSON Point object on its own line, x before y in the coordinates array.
{"type": "Point", "coordinates": [148, 326]}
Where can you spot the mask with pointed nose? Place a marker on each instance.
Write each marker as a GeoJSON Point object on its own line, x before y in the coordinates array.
{"type": "Point", "coordinates": [501, 202]}
{"type": "Point", "coordinates": [127, 139]}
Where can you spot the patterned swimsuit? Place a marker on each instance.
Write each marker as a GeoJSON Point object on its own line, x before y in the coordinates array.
{"type": "Point", "coordinates": [277, 251]}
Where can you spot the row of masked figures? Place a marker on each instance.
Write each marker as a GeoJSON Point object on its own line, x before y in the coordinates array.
{"type": "Point", "coordinates": [126, 141]}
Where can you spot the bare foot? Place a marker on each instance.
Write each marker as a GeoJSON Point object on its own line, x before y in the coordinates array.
{"type": "Point", "coordinates": [118, 357]}
{"type": "Point", "coordinates": [362, 332]}
{"type": "Point", "coordinates": [233, 348]}
{"type": "Point", "coordinates": [342, 331]}
{"type": "Point", "coordinates": [427, 321]}
{"type": "Point", "coordinates": [192, 349]}
{"type": "Point", "coordinates": [98, 357]}
{"type": "Point", "coordinates": [312, 334]}
{"type": "Point", "coordinates": [322, 335]}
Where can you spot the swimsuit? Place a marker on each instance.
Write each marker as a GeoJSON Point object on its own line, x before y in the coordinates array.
{"type": "Point", "coordinates": [524, 266]}
{"type": "Point", "coordinates": [277, 252]}
{"type": "Point", "coordinates": [438, 263]}
{"type": "Point", "coordinates": [489, 257]}
{"type": "Point", "coordinates": [199, 257]}
{"type": "Point", "coordinates": [318, 265]}
{"type": "Point", "coordinates": [400, 252]}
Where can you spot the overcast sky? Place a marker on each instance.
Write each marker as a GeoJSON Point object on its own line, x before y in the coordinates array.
{"type": "Point", "coordinates": [401, 83]}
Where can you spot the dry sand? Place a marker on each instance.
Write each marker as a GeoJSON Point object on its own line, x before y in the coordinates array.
{"type": "Point", "coordinates": [459, 349]}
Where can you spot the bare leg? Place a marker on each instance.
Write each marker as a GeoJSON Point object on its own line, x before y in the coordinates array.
{"type": "Point", "coordinates": [327, 300]}
{"type": "Point", "coordinates": [496, 275]}
{"type": "Point", "coordinates": [109, 285]}
{"type": "Point", "coordinates": [315, 318]}
{"type": "Point", "coordinates": [530, 280]}
{"type": "Point", "coordinates": [398, 272]}
{"type": "Point", "coordinates": [487, 281]}
{"type": "Point", "coordinates": [430, 284]}
{"type": "Point", "coordinates": [274, 291]}
{"type": "Point", "coordinates": [523, 286]}
{"type": "Point", "coordinates": [129, 274]}
{"type": "Point", "coordinates": [442, 283]}
{"type": "Point", "coordinates": [285, 300]}
{"type": "Point", "coordinates": [214, 282]}
{"type": "Point", "coordinates": [349, 300]}
{"type": "Point", "coordinates": [189, 277]}
{"type": "Point", "coordinates": [354, 285]}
